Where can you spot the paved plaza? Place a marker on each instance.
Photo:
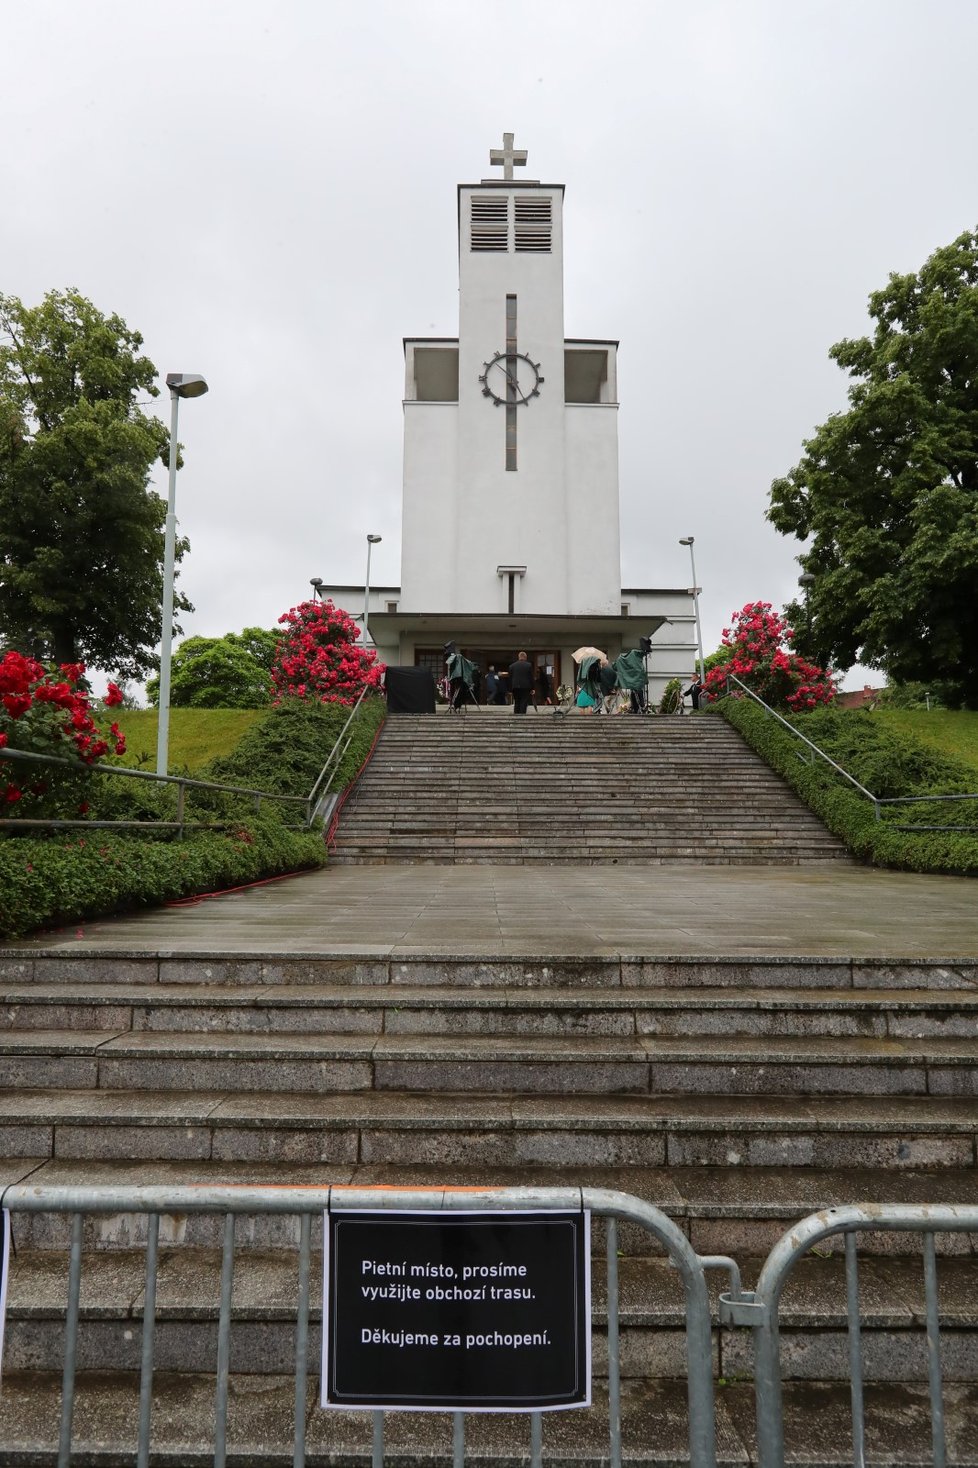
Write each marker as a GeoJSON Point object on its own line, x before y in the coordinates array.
{"type": "Point", "coordinates": [479, 909]}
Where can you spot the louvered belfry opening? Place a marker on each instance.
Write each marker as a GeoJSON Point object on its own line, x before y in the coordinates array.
{"type": "Point", "coordinates": [534, 221]}
{"type": "Point", "coordinates": [490, 222]}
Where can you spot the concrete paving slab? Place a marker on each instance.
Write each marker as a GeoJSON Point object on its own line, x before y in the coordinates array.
{"type": "Point", "coordinates": [843, 911]}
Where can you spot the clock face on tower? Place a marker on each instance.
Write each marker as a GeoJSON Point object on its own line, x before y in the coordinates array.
{"type": "Point", "coordinates": [511, 378]}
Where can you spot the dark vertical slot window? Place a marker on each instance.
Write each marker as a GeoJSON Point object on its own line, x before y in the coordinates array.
{"type": "Point", "coordinates": [511, 384]}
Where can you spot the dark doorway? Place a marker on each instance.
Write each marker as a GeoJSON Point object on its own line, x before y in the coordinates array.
{"type": "Point", "coordinates": [500, 659]}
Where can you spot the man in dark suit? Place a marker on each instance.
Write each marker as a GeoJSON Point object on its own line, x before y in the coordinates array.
{"type": "Point", "coordinates": [520, 683]}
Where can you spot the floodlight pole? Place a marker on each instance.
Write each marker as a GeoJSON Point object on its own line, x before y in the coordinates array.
{"type": "Point", "coordinates": [181, 385]}
{"type": "Point", "coordinates": [688, 540]}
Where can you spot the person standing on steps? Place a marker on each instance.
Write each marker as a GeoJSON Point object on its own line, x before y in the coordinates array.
{"type": "Point", "coordinates": [695, 691]}
{"type": "Point", "coordinates": [545, 689]}
{"type": "Point", "coordinates": [492, 685]}
{"type": "Point", "coordinates": [521, 683]}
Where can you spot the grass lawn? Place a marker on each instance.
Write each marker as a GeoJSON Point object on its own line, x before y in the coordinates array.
{"type": "Point", "coordinates": [952, 731]}
{"type": "Point", "coordinates": [196, 735]}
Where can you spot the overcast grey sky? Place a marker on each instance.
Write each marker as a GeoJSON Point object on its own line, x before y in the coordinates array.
{"type": "Point", "coordinates": [268, 195]}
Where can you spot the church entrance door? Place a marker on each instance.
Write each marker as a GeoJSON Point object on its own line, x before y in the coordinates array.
{"type": "Point", "coordinates": [484, 658]}
{"type": "Point", "coordinates": [541, 662]}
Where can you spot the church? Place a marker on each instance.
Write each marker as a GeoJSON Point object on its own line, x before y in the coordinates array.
{"type": "Point", "coordinates": [510, 528]}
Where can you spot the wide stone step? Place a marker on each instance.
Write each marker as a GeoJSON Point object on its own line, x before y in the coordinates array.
{"type": "Point", "coordinates": [553, 766]}
{"type": "Point", "coordinates": [443, 1010]}
{"type": "Point", "coordinates": [818, 1430]}
{"type": "Point", "coordinates": [726, 1208]}
{"type": "Point", "coordinates": [511, 849]}
{"type": "Point", "coordinates": [554, 970]}
{"type": "Point", "coordinates": [643, 1064]}
{"type": "Point", "coordinates": [535, 830]}
{"type": "Point", "coordinates": [450, 1130]}
{"type": "Point", "coordinates": [651, 1315]}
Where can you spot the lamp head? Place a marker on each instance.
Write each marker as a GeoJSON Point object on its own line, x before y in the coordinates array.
{"type": "Point", "coordinates": [687, 539]}
{"type": "Point", "coordinates": [374, 539]}
{"type": "Point", "coordinates": [186, 384]}
{"type": "Point", "coordinates": [806, 579]}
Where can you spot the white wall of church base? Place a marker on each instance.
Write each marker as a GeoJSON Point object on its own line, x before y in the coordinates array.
{"type": "Point", "coordinates": [591, 499]}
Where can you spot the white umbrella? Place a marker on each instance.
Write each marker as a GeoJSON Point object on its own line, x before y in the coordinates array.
{"type": "Point", "coordinates": [587, 652]}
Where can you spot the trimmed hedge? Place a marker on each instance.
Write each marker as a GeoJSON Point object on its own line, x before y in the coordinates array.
{"type": "Point", "coordinates": [888, 764]}
{"type": "Point", "coordinates": [49, 881]}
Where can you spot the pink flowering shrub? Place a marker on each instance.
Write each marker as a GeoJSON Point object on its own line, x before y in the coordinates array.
{"type": "Point", "coordinates": [49, 712]}
{"type": "Point", "coordinates": [318, 658]}
{"type": "Point", "coordinates": [758, 655]}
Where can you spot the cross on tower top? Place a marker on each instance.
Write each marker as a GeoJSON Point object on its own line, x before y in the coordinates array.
{"type": "Point", "coordinates": [507, 155]}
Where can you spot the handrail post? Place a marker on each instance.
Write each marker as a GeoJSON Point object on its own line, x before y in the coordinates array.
{"type": "Point", "coordinates": [181, 797]}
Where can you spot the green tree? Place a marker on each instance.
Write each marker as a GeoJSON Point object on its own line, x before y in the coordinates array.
{"type": "Point", "coordinates": [230, 672]}
{"type": "Point", "coordinates": [81, 554]}
{"type": "Point", "coordinates": [887, 492]}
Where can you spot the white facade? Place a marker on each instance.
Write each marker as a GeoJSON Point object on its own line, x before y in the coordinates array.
{"type": "Point", "coordinates": [510, 495]}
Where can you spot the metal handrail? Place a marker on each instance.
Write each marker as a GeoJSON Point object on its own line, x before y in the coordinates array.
{"type": "Point", "coordinates": [182, 782]}
{"type": "Point", "coordinates": [877, 800]}
{"type": "Point", "coordinates": [732, 678]}
{"type": "Point", "coordinates": [334, 757]}
{"type": "Point", "coordinates": [185, 780]}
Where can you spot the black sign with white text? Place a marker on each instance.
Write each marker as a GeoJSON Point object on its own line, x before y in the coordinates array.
{"type": "Point", "coordinates": [485, 1312]}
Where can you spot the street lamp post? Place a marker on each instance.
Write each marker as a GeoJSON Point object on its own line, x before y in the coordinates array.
{"type": "Point", "coordinates": [372, 540]}
{"type": "Point", "coordinates": [688, 540]}
{"type": "Point", "coordinates": [806, 581]}
{"type": "Point", "coordinates": [181, 385]}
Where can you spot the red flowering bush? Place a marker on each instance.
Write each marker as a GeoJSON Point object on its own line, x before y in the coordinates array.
{"type": "Point", "coordinates": [758, 655]}
{"type": "Point", "coordinates": [318, 657]}
{"type": "Point", "coordinates": [49, 712]}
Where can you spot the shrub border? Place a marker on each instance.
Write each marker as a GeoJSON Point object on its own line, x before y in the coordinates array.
{"type": "Point", "coordinates": [847, 814]}
{"type": "Point", "coordinates": [48, 882]}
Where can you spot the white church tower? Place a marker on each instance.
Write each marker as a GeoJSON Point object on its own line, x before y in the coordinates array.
{"type": "Point", "coordinates": [511, 482]}
{"type": "Point", "coordinates": [510, 532]}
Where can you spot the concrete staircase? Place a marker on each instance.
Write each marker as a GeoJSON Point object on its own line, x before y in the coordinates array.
{"type": "Point", "coordinates": [488, 787]}
{"type": "Point", "coordinates": [737, 1095]}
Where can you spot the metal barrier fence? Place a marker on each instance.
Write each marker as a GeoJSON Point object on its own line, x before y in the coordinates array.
{"type": "Point", "coordinates": [759, 1309]}
{"type": "Point", "coordinates": [305, 1204]}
